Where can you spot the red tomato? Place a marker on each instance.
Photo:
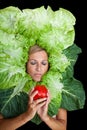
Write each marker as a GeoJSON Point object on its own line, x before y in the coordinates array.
{"type": "Point", "coordinates": [42, 91]}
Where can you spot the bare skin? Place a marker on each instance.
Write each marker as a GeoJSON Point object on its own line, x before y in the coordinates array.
{"type": "Point", "coordinates": [37, 66]}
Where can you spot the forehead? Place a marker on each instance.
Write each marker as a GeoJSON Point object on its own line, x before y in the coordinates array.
{"type": "Point", "coordinates": [40, 55]}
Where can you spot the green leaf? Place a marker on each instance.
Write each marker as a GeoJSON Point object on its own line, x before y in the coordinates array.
{"type": "Point", "coordinates": [8, 17]}
{"type": "Point", "coordinates": [73, 93]}
{"type": "Point", "coordinates": [11, 106]}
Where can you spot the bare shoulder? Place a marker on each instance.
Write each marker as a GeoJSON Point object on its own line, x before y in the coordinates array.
{"type": "Point", "coordinates": [1, 116]}
{"type": "Point", "coordinates": [62, 114]}
{"type": "Point", "coordinates": [62, 110]}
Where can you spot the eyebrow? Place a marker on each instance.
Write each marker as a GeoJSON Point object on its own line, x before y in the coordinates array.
{"type": "Point", "coordinates": [36, 60]}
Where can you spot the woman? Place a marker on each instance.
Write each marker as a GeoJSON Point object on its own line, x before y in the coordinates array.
{"type": "Point", "coordinates": [37, 66]}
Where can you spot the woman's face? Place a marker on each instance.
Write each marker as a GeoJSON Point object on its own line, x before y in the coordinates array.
{"type": "Point", "coordinates": [37, 65]}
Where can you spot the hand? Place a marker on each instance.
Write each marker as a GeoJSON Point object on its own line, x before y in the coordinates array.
{"type": "Point", "coordinates": [34, 105]}
{"type": "Point", "coordinates": [43, 110]}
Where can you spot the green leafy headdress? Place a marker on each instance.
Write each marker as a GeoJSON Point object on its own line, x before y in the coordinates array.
{"type": "Point", "coordinates": [51, 30]}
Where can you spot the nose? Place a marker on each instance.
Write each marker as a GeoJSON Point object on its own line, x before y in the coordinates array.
{"type": "Point", "coordinates": [38, 67]}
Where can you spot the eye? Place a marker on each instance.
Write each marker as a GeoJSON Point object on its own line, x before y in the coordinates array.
{"type": "Point", "coordinates": [32, 62]}
{"type": "Point", "coordinates": [44, 62]}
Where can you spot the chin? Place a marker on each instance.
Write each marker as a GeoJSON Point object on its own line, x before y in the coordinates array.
{"type": "Point", "coordinates": [37, 80]}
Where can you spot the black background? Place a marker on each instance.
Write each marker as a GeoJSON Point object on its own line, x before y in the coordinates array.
{"type": "Point", "coordinates": [76, 119]}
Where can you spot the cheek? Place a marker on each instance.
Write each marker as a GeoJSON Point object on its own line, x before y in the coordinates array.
{"type": "Point", "coordinates": [45, 69]}
{"type": "Point", "coordinates": [30, 70]}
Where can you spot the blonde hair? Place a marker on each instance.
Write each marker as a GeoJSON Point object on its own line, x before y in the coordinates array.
{"type": "Point", "coordinates": [34, 49]}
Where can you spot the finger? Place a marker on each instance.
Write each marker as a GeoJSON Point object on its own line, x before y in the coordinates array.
{"type": "Point", "coordinates": [31, 96]}
{"type": "Point", "coordinates": [31, 91]}
{"type": "Point", "coordinates": [41, 104]}
{"type": "Point", "coordinates": [40, 100]}
{"type": "Point", "coordinates": [32, 105]}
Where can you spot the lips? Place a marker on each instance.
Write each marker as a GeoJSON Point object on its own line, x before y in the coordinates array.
{"type": "Point", "coordinates": [38, 75]}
